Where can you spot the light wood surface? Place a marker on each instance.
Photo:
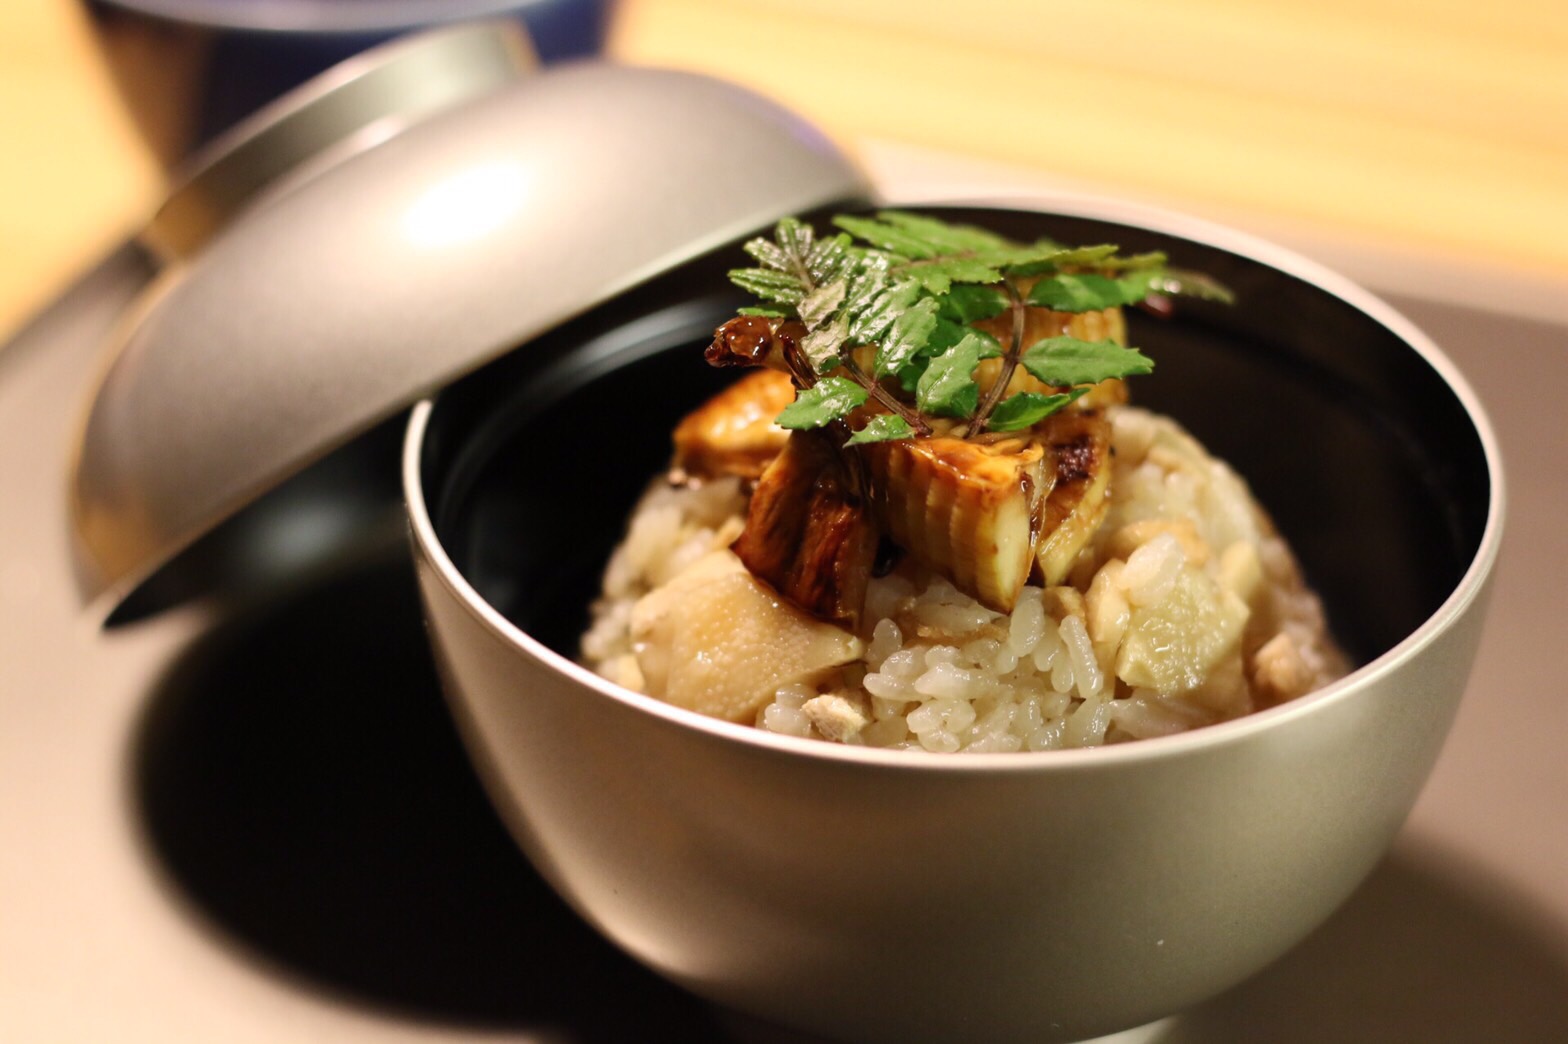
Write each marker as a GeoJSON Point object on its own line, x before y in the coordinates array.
{"type": "Point", "coordinates": [1433, 129]}
{"type": "Point", "coordinates": [74, 177]}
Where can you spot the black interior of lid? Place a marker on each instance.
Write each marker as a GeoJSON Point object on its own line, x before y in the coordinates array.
{"type": "Point", "coordinates": [304, 529]}
{"type": "Point", "coordinates": [1364, 456]}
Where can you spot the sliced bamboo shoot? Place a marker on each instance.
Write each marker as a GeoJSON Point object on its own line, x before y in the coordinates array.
{"type": "Point", "coordinates": [967, 509]}
{"type": "Point", "coordinates": [1080, 445]}
{"type": "Point", "coordinates": [717, 641]}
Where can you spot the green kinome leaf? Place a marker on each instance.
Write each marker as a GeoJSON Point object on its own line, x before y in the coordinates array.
{"type": "Point", "coordinates": [1087, 292]}
{"type": "Point", "coordinates": [887, 236]}
{"type": "Point", "coordinates": [912, 285]}
{"type": "Point", "coordinates": [821, 303]}
{"type": "Point", "coordinates": [971, 304]}
{"type": "Point", "coordinates": [948, 388]}
{"type": "Point", "coordinates": [1132, 262]}
{"type": "Point", "coordinates": [1026, 409]}
{"type": "Point", "coordinates": [889, 427]}
{"type": "Point", "coordinates": [822, 403]}
{"type": "Point", "coordinates": [942, 237]}
{"type": "Point", "coordinates": [1067, 361]}
{"type": "Point", "coordinates": [1047, 256]}
{"type": "Point", "coordinates": [830, 259]}
{"type": "Point", "coordinates": [768, 253]}
{"type": "Point", "coordinates": [869, 281]}
{"type": "Point", "coordinates": [917, 237]}
{"type": "Point", "coordinates": [939, 274]}
{"type": "Point", "coordinates": [1138, 283]}
{"type": "Point", "coordinates": [821, 346]}
{"type": "Point", "coordinates": [907, 338]}
{"type": "Point", "coordinates": [871, 322]}
{"type": "Point", "coordinates": [794, 237]}
{"type": "Point", "coordinates": [1183, 283]}
{"type": "Point", "coordinates": [768, 284]}
{"type": "Point", "coordinates": [944, 334]}
{"type": "Point", "coordinates": [948, 333]}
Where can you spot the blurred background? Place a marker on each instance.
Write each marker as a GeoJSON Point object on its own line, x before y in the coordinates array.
{"type": "Point", "coordinates": [1421, 145]}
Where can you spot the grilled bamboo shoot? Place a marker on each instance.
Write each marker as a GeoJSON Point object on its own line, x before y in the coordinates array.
{"type": "Point", "coordinates": [1080, 444]}
{"type": "Point", "coordinates": [733, 433]}
{"type": "Point", "coordinates": [808, 531]}
{"type": "Point", "coordinates": [968, 509]}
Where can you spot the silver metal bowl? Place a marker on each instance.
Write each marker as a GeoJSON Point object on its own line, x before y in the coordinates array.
{"type": "Point", "coordinates": [1045, 896]}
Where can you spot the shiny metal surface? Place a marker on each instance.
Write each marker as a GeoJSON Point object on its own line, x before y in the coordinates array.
{"type": "Point", "coordinates": [115, 931]}
{"type": "Point", "coordinates": [340, 302]}
{"type": "Point", "coordinates": [875, 895]}
{"type": "Point", "coordinates": [354, 106]}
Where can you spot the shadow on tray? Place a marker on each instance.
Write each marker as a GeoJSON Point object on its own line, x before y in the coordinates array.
{"type": "Point", "coordinates": [301, 782]}
{"type": "Point", "coordinates": [302, 785]}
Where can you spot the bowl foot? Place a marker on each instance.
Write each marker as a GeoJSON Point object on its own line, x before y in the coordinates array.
{"type": "Point", "coordinates": [1148, 1033]}
{"type": "Point", "coordinates": [749, 1029]}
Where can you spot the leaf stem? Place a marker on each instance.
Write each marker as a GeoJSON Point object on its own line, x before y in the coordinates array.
{"type": "Point", "coordinates": [1009, 360]}
{"type": "Point", "coordinates": [880, 394]}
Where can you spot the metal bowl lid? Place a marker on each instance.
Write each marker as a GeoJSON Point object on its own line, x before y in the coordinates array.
{"type": "Point", "coordinates": [320, 310]}
{"type": "Point", "coordinates": [355, 105]}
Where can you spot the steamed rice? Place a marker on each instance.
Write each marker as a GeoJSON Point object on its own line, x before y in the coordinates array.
{"type": "Point", "coordinates": [1185, 609]}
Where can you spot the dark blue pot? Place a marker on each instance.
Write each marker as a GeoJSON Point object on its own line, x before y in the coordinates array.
{"type": "Point", "coordinates": [188, 69]}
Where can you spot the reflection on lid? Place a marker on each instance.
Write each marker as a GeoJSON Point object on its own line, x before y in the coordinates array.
{"type": "Point", "coordinates": [467, 205]}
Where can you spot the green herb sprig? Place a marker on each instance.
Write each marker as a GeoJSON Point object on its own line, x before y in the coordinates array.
{"type": "Point", "coordinates": [911, 285]}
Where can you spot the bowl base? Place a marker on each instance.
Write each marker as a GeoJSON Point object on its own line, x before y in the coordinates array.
{"type": "Point", "coordinates": [1148, 1033]}
{"type": "Point", "coordinates": [749, 1029]}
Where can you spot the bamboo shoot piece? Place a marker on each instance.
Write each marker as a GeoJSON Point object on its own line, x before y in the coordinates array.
{"type": "Point", "coordinates": [1080, 446]}
{"type": "Point", "coordinates": [733, 433]}
{"type": "Point", "coordinates": [718, 641]}
{"type": "Point", "coordinates": [969, 509]}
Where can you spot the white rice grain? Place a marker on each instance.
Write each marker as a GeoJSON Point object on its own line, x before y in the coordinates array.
{"type": "Point", "coordinates": [1087, 724]}
{"type": "Point", "coordinates": [950, 681]}
{"type": "Point", "coordinates": [1062, 672]}
{"type": "Point", "coordinates": [942, 672]}
{"type": "Point", "coordinates": [886, 639]}
{"type": "Point", "coordinates": [1080, 653]}
{"type": "Point", "coordinates": [1027, 625]}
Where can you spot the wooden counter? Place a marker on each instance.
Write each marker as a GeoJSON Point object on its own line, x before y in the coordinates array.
{"type": "Point", "coordinates": [1429, 136]}
{"type": "Point", "coordinates": [74, 177]}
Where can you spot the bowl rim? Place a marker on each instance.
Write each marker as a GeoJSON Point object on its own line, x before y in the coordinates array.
{"type": "Point", "coordinates": [1077, 205]}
